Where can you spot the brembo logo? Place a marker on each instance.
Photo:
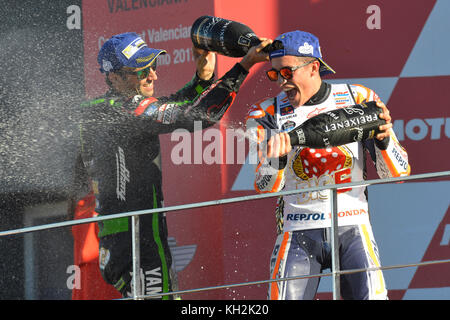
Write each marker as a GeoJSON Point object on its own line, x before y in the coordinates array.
{"type": "Point", "coordinates": [420, 129]}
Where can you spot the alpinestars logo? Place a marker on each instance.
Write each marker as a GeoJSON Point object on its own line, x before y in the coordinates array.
{"type": "Point", "coordinates": [123, 175]}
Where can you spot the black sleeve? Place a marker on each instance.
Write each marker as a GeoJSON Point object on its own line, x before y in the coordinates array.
{"type": "Point", "coordinates": [163, 116]}
{"type": "Point", "coordinates": [190, 91]}
{"type": "Point", "coordinates": [79, 185]}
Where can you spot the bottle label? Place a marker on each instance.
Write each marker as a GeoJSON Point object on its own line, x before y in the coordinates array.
{"type": "Point", "coordinates": [245, 40]}
{"type": "Point", "coordinates": [352, 122]}
{"type": "Point", "coordinates": [301, 137]}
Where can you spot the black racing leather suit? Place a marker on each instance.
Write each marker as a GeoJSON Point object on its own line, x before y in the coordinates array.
{"type": "Point", "coordinates": [120, 149]}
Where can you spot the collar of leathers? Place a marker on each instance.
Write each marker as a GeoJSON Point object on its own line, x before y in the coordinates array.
{"type": "Point", "coordinates": [321, 95]}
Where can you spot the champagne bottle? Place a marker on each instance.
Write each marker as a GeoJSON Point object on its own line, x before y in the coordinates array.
{"type": "Point", "coordinates": [226, 37]}
{"type": "Point", "coordinates": [337, 127]}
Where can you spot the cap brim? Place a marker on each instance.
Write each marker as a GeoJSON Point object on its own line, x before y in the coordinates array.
{"type": "Point", "coordinates": [144, 57]}
{"type": "Point", "coordinates": [325, 68]}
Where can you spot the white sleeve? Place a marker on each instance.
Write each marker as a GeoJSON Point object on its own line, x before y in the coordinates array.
{"type": "Point", "coordinates": [391, 160]}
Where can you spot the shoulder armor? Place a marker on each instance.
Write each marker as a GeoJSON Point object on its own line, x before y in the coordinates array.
{"type": "Point", "coordinates": [259, 109]}
{"type": "Point", "coordinates": [362, 93]}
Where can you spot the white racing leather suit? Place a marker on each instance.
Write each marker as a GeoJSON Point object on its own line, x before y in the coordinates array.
{"type": "Point", "coordinates": [304, 219]}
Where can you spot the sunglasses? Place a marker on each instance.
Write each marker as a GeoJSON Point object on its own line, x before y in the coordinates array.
{"type": "Point", "coordinates": [286, 72]}
{"type": "Point", "coordinates": [142, 74]}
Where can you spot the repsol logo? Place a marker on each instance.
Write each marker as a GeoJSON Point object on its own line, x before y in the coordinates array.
{"type": "Point", "coordinates": [401, 161]}
{"type": "Point", "coordinates": [420, 129]}
{"type": "Point", "coordinates": [322, 216]}
{"type": "Point", "coordinates": [305, 217]}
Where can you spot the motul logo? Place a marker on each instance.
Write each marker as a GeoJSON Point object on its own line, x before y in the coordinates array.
{"type": "Point", "coordinates": [420, 129]}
